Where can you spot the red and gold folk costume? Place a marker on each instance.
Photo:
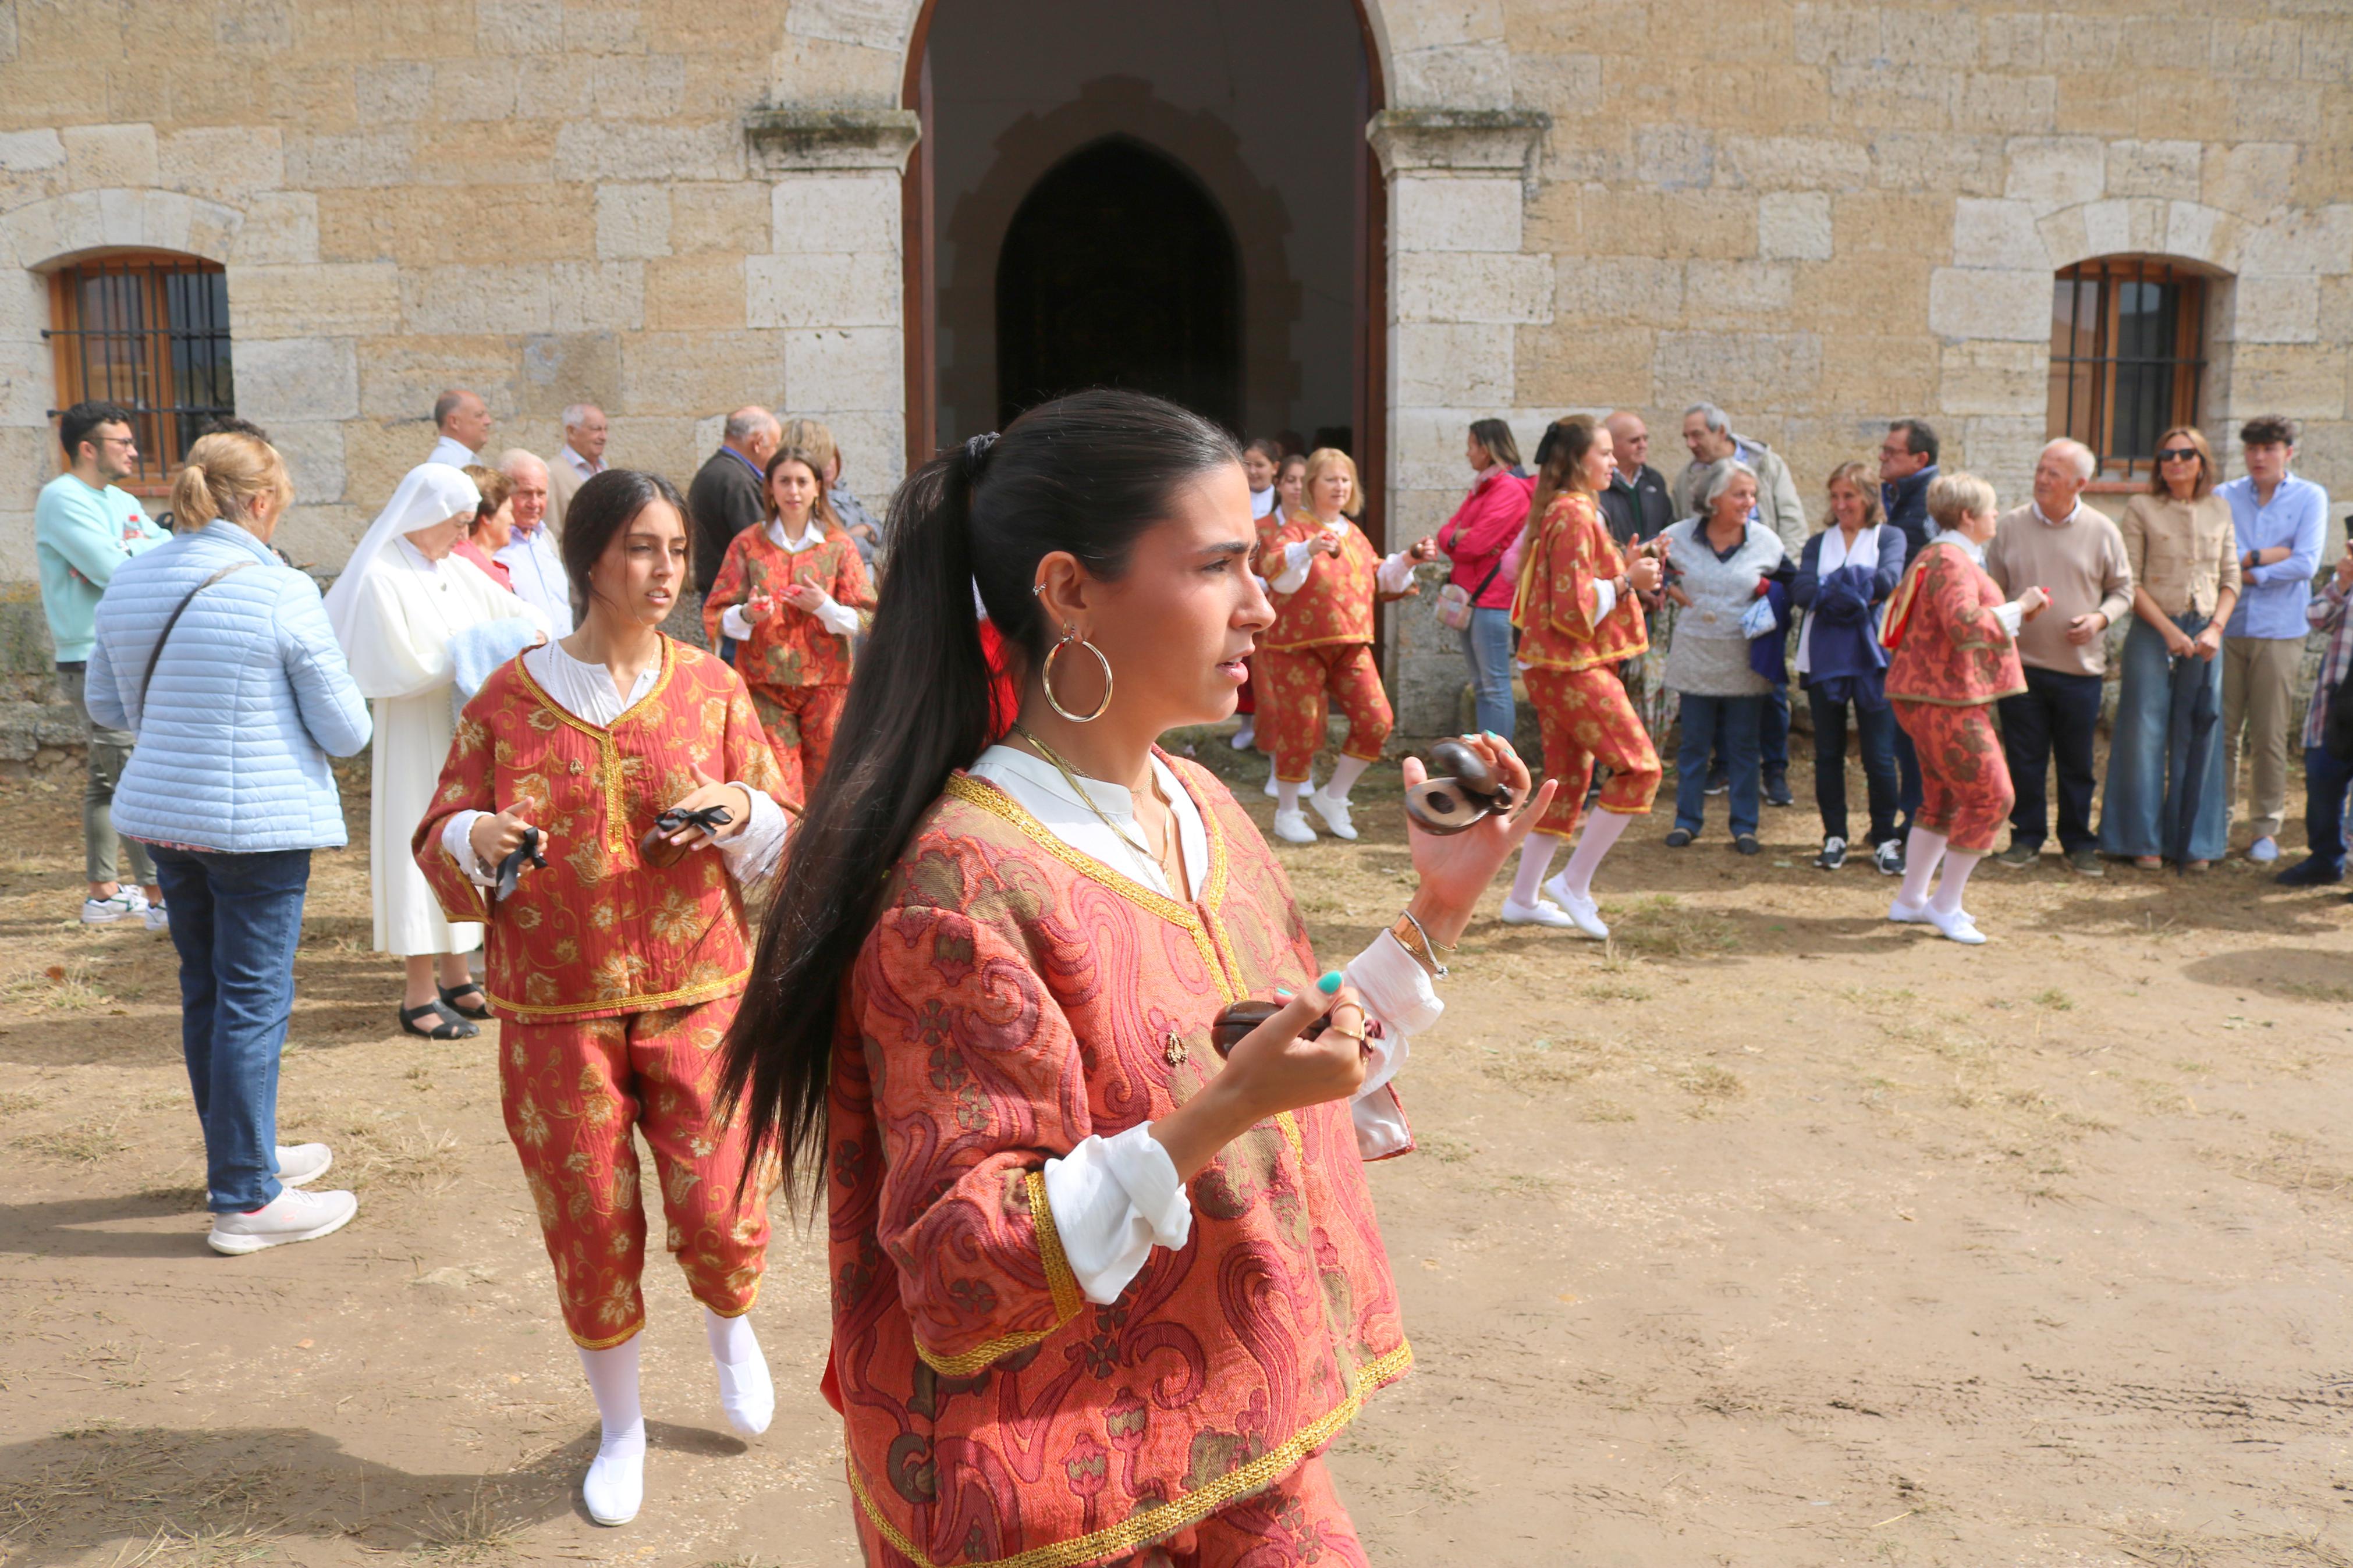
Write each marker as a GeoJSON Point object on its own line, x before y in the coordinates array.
{"type": "Point", "coordinates": [796, 666]}
{"type": "Point", "coordinates": [1569, 659]}
{"type": "Point", "coordinates": [1953, 659]}
{"type": "Point", "coordinates": [1015, 997]}
{"type": "Point", "coordinates": [1319, 650]}
{"type": "Point", "coordinates": [615, 979]}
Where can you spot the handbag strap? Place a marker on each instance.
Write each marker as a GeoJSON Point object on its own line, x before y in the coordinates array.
{"type": "Point", "coordinates": [155, 653]}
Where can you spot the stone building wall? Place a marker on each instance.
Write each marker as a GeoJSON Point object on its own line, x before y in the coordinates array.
{"type": "Point", "coordinates": [1822, 216]}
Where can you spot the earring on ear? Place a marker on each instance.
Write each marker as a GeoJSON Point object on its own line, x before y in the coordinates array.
{"type": "Point", "coordinates": [1046, 676]}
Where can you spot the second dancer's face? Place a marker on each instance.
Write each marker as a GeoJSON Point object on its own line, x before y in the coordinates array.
{"type": "Point", "coordinates": [640, 570]}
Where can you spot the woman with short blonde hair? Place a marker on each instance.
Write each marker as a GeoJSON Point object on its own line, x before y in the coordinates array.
{"type": "Point", "coordinates": [1845, 574]}
{"type": "Point", "coordinates": [2168, 791]}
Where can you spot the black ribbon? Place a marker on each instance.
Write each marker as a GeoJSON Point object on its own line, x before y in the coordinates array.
{"type": "Point", "coordinates": [524, 854]}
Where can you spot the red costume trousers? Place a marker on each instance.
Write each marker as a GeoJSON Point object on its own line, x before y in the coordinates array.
{"type": "Point", "coordinates": [1295, 687]}
{"type": "Point", "coordinates": [800, 722]}
{"type": "Point", "coordinates": [1965, 788]}
{"type": "Point", "coordinates": [1296, 1523]}
{"type": "Point", "coordinates": [1587, 717]}
{"type": "Point", "coordinates": [574, 1092]}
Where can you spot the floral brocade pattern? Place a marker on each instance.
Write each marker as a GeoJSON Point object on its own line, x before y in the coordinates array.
{"type": "Point", "coordinates": [1298, 688]}
{"type": "Point", "coordinates": [1950, 651]}
{"type": "Point", "coordinates": [1335, 603]}
{"type": "Point", "coordinates": [601, 931]}
{"type": "Point", "coordinates": [1570, 556]}
{"type": "Point", "coordinates": [791, 647]}
{"type": "Point", "coordinates": [1014, 998]}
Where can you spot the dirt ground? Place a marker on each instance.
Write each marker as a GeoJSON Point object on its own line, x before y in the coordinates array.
{"type": "Point", "coordinates": [1766, 1233]}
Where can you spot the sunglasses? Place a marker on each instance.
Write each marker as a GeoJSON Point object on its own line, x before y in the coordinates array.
{"type": "Point", "coordinates": [2177, 455]}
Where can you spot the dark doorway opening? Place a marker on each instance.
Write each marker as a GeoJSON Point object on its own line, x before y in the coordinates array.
{"type": "Point", "coordinates": [1119, 270]}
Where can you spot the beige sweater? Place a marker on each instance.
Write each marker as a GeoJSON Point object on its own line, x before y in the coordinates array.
{"type": "Point", "coordinates": [2082, 563]}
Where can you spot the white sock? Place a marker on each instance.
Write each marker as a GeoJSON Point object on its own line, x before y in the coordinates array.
{"type": "Point", "coordinates": [1272, 768]}
{"type": "Point", "coordinates": [1601, 831]}
{"type": "Point", "coordinates": [1921, 853]}
{"type": "Point", "coordinates": [747, 1395]}
{"type": "Point", "coordinates": [1345, 774]}
{"type": "Point", "coordinates": [1958, 864]}
{"type": "Point", "coordinates": [1535, 858]}
{"type": "Point", "coordinates": [1286, 795]}
{"type": "Point", "coordinates": [615, 1483]}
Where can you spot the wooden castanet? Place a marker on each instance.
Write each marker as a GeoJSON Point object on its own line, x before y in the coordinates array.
{"type": "Point", "coordinates": [1461, 789]}
{"type": "Point", "coordinates": [1238, 1019]}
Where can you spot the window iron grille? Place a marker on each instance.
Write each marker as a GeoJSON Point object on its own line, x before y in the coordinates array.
{"type": "Point", "coordinates": [2127, 357]}
{"type": "Point", "coordinates": [151, 333]}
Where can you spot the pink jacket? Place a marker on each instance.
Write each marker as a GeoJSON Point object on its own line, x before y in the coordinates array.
{"type": "Point", "coordinates": [1483, 529]}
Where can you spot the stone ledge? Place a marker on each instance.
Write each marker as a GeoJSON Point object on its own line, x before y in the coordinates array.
{"type": "Point", "coordinates": [1488, 141]}
{"type": "Point", "coordinates": [794, 140]}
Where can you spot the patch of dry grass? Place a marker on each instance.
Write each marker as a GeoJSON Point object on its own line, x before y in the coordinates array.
{"type": "Point", "coordinates": [12, 1103]}
{"type": "Point", "coordinates": [83, 1143]}
{"type": "Point", "coordinates": [1663, 925]}
{"type": "Point", "coordinates": [65, 987]}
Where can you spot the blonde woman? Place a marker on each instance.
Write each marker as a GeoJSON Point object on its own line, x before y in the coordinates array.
{"type": "Point", "coordinates": [1326, 575]}
{"type": "Point", "coordinates": [1844, 577]}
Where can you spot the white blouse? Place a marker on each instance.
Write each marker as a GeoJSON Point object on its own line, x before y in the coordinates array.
{"type": "Point", "coordinates": [586, 691]}
{"type": "Point", "coordinates": [838, 618]}
{"type": "Point", "coordinates": [1114, 1199]}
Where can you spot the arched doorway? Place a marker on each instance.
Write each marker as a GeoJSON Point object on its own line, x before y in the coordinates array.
{"type": "Point", "coordinates": [1118, 270]}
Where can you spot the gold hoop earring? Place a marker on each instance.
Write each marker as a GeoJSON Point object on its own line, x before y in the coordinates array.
{"type": "Point", "coordinates": [1046, 677]}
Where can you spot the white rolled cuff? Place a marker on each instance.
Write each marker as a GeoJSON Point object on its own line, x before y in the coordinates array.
{"type": "Point", "coordinates": [1605, 599]}
{"type": "Point", "coordinates": [1297, 556]}
{"type": "Point", "coordinates": [2010, 616]}
{"type": "Point", "coordinates": [1113, 1200]}
{"type": "Point", "coordinates": [1396, 574]}
{"type": "Point", "coordinates": [458, 842]}
{"type": "Point", "coordinates": [733, 623]}
{"type": "Point", "coordinates": [752, 854]}
{"type": "Point", "coordinates": [837, 618]}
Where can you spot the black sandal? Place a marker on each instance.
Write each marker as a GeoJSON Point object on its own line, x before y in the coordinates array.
{"type": "Point", "coordinates": [450, 993]}
{"type": "Point", "coordinates": [450, 1027]}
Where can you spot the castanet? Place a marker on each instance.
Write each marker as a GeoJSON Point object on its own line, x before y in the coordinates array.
{"type": "Point", "coordinates": [1461, 789]}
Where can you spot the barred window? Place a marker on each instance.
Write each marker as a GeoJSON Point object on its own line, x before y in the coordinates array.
{"type": "Point", "coordinates": [2127, 357]}
{"type": "Point", "coordinates": [148, 330]}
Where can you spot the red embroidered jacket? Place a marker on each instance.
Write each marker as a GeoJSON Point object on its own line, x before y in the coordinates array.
{"type": "Point", "coordinates": [791, 647]}
{"type": "Point", "coordinates": [1571, 554]}
{"type": "Point", "coordinates": [1949, 648]}
{"type": "Point", "coordinates": [1015, 997]}
{"type": "Point", "coordinates": [1335, 603]}
{"type": "Point", "coordinates": [600, 932]}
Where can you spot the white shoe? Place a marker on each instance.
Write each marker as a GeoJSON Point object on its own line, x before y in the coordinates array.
{"type": "Point", "coordinates": [1584, 912]}
{"type": "Point", "coordinates": [1244, 738]}
{"type": "Point", "coordinates": [1291, 827]}
{"type": "Point", "coordinates": [747, 1395]}
{"type": "Point", "coordinates": [292, 1215]}
{"type": "Point", "coordinates": [157, 917]}
{"type": "Point", "coordinates": [1543, 913]}
{"type": "Point", "coordinates": [1334, 814]}
{"type": "Point", "coordinates": [2262, 852]}
{"type": "Point", "coordinates": [1955, 927]}
{"type": "Point", "coordinates": [615, 1487]}
{"type": "Point", "coordinates": [1903, 913]}
{"type": "Point", "coordinates": [299, 1164]}
{"type": "Point", "coordinates": [126, 901]}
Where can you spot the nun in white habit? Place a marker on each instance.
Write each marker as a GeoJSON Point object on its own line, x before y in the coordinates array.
{"type": "Point", "coordinates": [403, 601]}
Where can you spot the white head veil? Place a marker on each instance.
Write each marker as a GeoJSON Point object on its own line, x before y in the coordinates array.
{"type": "Point", "coordinates": [430, 493]}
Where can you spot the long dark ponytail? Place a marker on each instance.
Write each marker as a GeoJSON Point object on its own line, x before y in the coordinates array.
{"type": "Point", "coordinates": [1085, 474]}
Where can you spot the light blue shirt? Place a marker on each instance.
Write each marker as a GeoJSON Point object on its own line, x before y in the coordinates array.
{"type": "Point", "coordinates": [531, 560]}
{"type": "Point", "coordinates": [80, 534]}
{"type": "Point", "coordinates": [2271, 599]}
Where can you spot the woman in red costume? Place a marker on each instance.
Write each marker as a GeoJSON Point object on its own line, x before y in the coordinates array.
{"type": "Point", "coordinates": [792, 593]}
{"type": "Point", "coordinates": [616, 960]}
{"type": "Point", "coordinates": [1098, 1297]}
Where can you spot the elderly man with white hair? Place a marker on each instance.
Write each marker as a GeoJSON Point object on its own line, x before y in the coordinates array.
{"type": "Point", "coordinates": [580, 460]}
{"type": "Point", "coordinates": [2057, 543]}
{"type": "Point", "coordinates": [530, 554]}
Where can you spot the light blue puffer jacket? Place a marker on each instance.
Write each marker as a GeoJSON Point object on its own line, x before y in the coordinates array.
{"type": "Point", "coordinates": [249, 697]}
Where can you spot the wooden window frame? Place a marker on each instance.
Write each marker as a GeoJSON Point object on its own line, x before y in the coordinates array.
{"type": "Point", "coordinates": [2083, 387]}
{"type": "Point", "coordinates": [155, 394]}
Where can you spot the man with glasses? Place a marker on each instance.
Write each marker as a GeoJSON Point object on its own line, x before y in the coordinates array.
{"type": "Point", "coordinates": [2280, 520]}
{"type": "Point", "coordinates": [84, 526]}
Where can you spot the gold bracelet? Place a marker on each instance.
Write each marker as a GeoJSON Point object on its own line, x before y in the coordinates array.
{"type": "Point", "coordinates": [1423, 951]}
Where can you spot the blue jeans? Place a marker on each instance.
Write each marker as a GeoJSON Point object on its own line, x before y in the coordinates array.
{"type": "Point", "coordinates": [1772, 736]}
{"type": "Point", "coordinates": [2325, 782]}
{"type": "Point", "coordinates": [235, 921]}
{"type": "Point", "coordinates": [2166, 755]}
{"type": "Point", "coordinates": [1487, 644]}
{"type": "Point", "coordinates": [1878, 732]}
{"type": "Point", "coordinates": [1728, 726]}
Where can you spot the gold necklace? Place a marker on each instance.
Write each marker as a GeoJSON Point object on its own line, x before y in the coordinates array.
{"type": "Point", "coordinates": [1142, 852]}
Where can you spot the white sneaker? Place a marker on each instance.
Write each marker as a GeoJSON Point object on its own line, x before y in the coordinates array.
{"type": "Point", "coordinates": [1585, 912]}
{"type": "Point", "coordinates": [1955, 927]}
{"type": "Point", "coordinates": [2262, 852]}
{"type": "Point", "coordinates": [615, 1486]}
{"type": "Point", "coordinates": [157, 917]}
{"type": "Point", "coordinates": [292, 1215]}
{"type": "Point", "coordinates": [747, 1395]}
{"type": "Point", "coordinates": [299, 1164]}
{"type": "Point", "coordinates": [1291, 827]}
{"type": "Point", "coordinates": [1903, 913]}
{"type": "Point", "coordinates": [1543, 913]}
{"type": "Point", "coordinates": [1334, 814]}
{"type": "Point", "coordinates": [126, 901]}
{"type": "Point", "coordinates": [1244, 738]}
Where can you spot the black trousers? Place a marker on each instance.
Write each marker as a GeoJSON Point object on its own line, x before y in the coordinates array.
{"type": "Point", "coordinates": [2054, 717]}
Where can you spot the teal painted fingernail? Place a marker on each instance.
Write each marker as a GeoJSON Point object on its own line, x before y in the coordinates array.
{"type": "Point", "coordinates": [1284, 991]}
{"type": "Point", "coordinates": [1330, 983]}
